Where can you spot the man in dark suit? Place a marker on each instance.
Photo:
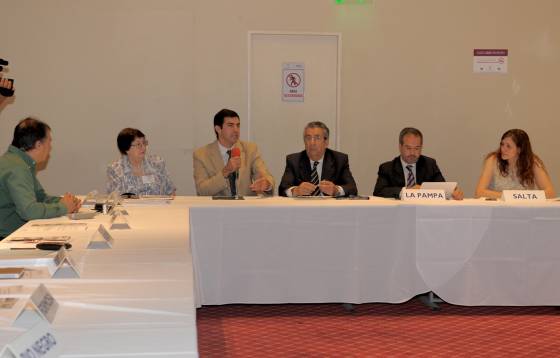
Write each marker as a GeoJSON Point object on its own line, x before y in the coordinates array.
{"type": "Point", "coordinates": [317, 170]}
{"type": "Point", "coordinates": [410, 169]}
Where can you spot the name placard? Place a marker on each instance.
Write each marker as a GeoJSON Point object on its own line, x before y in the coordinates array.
{"type": "Point", "coordinates": [39, 341]}
{"type": "Point", "coordinates": [65, 267]}
{"type": "Point", "coordinates": [40, 306]}
{"type": "Point", "coordinates": [520, 196]}
{"type": "Point", "coordinates": [44, 303]}
{"type": "Point", "coordinates": [11, 305]}
{"type": "Point", "coordinates": [119, 221]}
{"type": "Point", "coordinates": [101, 239]}
{"type": "Point", "coordinates": [422, 194]}
{"type": "Point", "coordinates": [113, 200]}
{"type": "Point", "coordinates": [122, 211]}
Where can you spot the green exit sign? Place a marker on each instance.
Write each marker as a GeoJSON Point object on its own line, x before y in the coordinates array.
{"type": "Point", "coordinates": [353, 2]}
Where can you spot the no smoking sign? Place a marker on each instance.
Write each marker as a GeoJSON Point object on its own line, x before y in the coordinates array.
{"type": "Point", "coordinates": [293, 82]}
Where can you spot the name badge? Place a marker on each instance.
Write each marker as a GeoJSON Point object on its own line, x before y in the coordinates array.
{"type": "Point", "coordinates": [39, 341]}
{"type": "Point", "coordinates": [422, 194]}
{"type": "Point", "coordinates": [519, 196]}
{"type": "Point", "coordinates": [148, 179]}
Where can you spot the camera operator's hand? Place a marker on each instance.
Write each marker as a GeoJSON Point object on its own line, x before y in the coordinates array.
{"type": "Point", "coordinates": [5, 83]}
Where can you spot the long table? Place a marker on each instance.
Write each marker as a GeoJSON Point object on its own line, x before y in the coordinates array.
{"type": "Point", "coordinates": [139, 298]}
{"type": "Point", "coordinates": [490, 253]}
{"type": "Point", "coordinates": [135, 299]}
{"type": "Point", "coordinates": [281, 250]}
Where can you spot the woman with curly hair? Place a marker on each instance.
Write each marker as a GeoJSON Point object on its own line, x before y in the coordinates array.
{"type": "Point", "coordinates": [513, 166]}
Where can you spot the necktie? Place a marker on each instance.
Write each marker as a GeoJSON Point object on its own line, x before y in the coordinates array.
{"type": "Point", "coordinates": [232, 178]}
{"type": "Point", "coordinates": [315, 179]}
{"type": "Point", "coordinates": [410, 180]}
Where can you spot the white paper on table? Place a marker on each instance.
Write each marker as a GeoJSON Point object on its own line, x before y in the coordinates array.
{"type": "Point", "coordinates": [30, 242]}
{"type": "Point", "coordinates": [55, 228]}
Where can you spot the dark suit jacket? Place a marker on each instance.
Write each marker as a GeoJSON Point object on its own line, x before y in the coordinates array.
{"type": "Point", "coordinates": [390, 177]}
{"type": "Point", "coordinates": [335, 169]}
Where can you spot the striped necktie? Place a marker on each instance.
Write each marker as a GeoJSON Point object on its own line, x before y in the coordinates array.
{"type": "Point", "coordinates": [410, 180]}
{"type": "Point", "coordinates": [315, 179]}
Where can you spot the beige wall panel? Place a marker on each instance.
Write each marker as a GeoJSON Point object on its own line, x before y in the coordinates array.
{"type": "Point", "coordinates": [90, 68]}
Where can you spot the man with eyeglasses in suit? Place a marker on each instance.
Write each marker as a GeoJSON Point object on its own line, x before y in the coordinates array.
{"type": "Point", "coordinates": [317, 170]}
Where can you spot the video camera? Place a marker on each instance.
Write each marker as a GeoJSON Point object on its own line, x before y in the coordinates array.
{"type": "Point", "coordinates": [6, 92]}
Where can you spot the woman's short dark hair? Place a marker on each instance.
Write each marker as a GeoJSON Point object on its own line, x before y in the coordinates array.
{"type": "Point", "coordinates": [28, 131]}
{"type": "Point", "coordinates": [126, 137]}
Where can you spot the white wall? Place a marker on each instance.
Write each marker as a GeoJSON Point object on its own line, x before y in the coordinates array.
{"type": "Point", "coordinates": [91, 68]}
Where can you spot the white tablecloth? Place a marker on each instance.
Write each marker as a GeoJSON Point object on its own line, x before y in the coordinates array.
{"type": "Point", "coordinates": [139, 298]}
{"type": "Point", "coordinates": [135, 299]}
{"type": "Point", "coordinates": [480, 253]}
{"type": "Point", "coordinates": [280, 250]}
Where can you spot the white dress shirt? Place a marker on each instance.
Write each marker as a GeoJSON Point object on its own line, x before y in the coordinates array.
{"type": "Point", "coordinates": [223, 152]}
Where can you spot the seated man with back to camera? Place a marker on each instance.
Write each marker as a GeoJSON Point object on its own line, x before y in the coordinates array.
{"type": "Point", "coordinates": [22, 198]}
{"type": "Point", "coordinates": [410, 169]}
{"type": "Point", "coordinates": [317, 170]}
{"type": "Point", "coordinates": [218, 171]}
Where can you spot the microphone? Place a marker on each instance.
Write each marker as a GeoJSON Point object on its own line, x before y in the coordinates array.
{"type": "Point", "coordinates": [235, 152]}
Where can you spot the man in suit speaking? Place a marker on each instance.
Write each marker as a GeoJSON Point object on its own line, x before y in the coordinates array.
{"type": "Point", "coordinates": [317, 170]}
{"type": "Point", "coordinates": [410, 169]}
{"type": "Point", "coordinates": [229, 166]}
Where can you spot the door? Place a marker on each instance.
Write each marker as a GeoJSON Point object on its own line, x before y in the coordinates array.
{"type": "Point", "coordinates": [277, 125]}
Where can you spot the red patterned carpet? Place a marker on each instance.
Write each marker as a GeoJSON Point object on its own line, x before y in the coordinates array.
{"type": "Point", "coordinates": [377, 330]}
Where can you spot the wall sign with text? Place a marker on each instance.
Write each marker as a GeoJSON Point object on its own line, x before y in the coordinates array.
{"type": "Point", "coordinates": [293, 80]}
{"type": "Point", "coordinates": [490, 60]}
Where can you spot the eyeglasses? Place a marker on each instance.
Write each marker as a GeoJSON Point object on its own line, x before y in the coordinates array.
{"type": "Point", "coordinates": [310, 138]}
{"type": "Point", "coordinates": [140, 144]}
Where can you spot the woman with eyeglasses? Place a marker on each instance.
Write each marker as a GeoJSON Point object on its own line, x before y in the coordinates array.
{"type": "Point", "coordinates": [513, 166]}
{"type": "Point", "coordinates": [135, 172]}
